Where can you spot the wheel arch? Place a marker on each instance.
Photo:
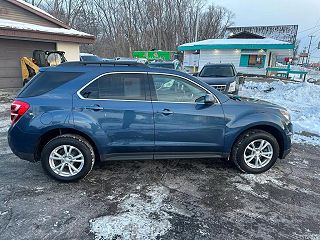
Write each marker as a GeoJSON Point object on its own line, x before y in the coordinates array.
{"type": "Point", "coordinates": [47, 136]}
{"type": "Point", "coordinates": [274, 131]}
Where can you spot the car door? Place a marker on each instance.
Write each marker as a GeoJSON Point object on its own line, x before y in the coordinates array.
{"type": "Point", "coordinates": [119, 106]}
{"type": "Point", "coordinates": [184, 127]}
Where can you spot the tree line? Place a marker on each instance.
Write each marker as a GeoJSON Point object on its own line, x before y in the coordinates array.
{"type": "Point", "coordinates": [123, 26]}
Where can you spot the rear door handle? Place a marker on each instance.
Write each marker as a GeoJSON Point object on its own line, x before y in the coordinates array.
{"type": "Point", "coordinates": [166, 112]}
{"type": "Point", "coordinates": [94, 107]}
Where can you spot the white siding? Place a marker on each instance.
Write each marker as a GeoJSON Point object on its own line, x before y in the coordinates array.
{"type": "Point", "coordinates": [227, 56]}
{"type": "Point", "coordinates": [72, 50]}
{"type": "Point", "coordinates": [219, 56]}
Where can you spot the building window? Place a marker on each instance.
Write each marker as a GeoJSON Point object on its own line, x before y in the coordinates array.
{"type": "Point", "coordinates": [255, 60]}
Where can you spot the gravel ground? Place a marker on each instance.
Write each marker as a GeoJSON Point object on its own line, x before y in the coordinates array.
{"type": "Point", "coordinates": [173, 199]}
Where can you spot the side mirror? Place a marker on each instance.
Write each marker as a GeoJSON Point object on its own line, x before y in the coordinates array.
{"type": "Point", "coordinates": [209, 99]}
{"type": "Point", "coordinates": [195, 74]}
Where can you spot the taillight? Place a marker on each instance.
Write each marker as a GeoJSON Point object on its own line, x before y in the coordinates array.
{"type": "Point", "coordinates": [18, 108]}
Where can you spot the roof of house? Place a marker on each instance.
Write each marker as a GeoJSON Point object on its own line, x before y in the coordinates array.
{"type": "Point", "coordinates": [287, 33]}
{"type": "Point", "coordinates": [38, 11]}
{"type": "Point", "coordinates": [246, 35]}
{"type": "Point", "coordinates": [4, 23]}
{"type": "Point", "coordinates": [235, 43]}
{"type": "Point", "coordinates": [61, 32]}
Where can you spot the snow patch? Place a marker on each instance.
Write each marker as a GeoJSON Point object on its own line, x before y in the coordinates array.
{"type": "Point", "coordinates": [4, 23]}
{"type": "Point", "coordinates": [300, 99]}
{"type": "Point", "coordinates": [142, 217]}
{"type": "Point", "coordinates": [235, 41]}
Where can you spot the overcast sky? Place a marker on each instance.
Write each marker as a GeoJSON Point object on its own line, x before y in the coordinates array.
{"type": "Point", "coordinates": [305, 13]}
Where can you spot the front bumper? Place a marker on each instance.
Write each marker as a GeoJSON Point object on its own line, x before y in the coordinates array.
{"type": "Point", "coordinates": [287, 141]}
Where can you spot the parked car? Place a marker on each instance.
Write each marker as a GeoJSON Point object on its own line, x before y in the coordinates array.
{"type": "Point", "coordinates": [176, 65]}
{"type": "Point", "coordinates": [88, 57]}
{"type": "Point", "coordinates": [222, 77]}
{"type": "Point", "coordinates": [76, 114]}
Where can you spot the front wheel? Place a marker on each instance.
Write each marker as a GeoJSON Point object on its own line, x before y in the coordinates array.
{"type": "Point", "coordinates": [67, 157]}
{"type": "Point", "coordinates": [255, 151]}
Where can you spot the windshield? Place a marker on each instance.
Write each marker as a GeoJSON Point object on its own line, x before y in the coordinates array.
{"type": "Point", "coordinates": [217, 71]}
{"type": "Point", "coordinates": [162, 65]}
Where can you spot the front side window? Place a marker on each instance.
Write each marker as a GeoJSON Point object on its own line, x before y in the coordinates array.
{"type": "Point", "coordinates": [126, 86]}
{"type": "Point", "coordinates": [175, 89]}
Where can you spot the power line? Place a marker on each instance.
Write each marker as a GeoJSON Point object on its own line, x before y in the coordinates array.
{"type": "Point", "coordinates": [307, 35]}
{"type": "Point", "coordinates": [309, 29]}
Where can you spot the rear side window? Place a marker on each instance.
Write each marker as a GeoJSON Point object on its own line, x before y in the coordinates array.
{"type": "Point", "coordinates": [44, 82]}
{"type": "Point", "coordinates": [129, 86]}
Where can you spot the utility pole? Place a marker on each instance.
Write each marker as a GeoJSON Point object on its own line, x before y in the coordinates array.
{"type": "Point", "coordinates": [308, 59]}
{"type": "Point", "coordinates": [197, 28]}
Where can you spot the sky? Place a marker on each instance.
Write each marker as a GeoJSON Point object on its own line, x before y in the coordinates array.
{"type": "Point", "coordinates": [305, 13]}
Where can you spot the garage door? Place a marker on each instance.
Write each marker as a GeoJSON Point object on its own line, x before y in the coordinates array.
{"type": "Point", "coordinates": [10, 53]}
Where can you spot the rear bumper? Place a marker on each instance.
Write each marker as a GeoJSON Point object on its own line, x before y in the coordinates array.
{"type": "Point", "coordinates": [22, 144]}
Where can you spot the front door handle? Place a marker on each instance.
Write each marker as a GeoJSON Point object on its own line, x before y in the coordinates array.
{"type": "Point", "coordinates": [94, 107]}
{"type": "Point", "coordinates": [166, 112]}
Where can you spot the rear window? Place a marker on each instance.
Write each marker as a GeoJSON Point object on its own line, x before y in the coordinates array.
{"type": "Point", "coordinates": [44, 82]}
{"type": "Point", "coordinates": [217, 71]}
{"type": "Point", "coordinates": [123, 86]}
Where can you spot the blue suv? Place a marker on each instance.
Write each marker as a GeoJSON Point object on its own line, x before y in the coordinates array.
{"type": "Point", "coordinates": [73, 115]}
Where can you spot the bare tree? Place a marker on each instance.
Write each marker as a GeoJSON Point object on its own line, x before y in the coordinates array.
{"type": "Point", "coordinates": [123, 26]}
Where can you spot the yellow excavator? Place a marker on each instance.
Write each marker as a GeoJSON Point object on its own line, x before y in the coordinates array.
{"type": "Point", "coordinates": [30, 66]}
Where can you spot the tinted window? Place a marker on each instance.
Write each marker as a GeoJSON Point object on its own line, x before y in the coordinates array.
{"type": "Point", "coordinates": [162, 65]}
{"type": "Point", "coordinates": [44, 82]}
{"type": "Point", "coordinates": [90, 58]}
{"type": "Point", "coordinates": [174, 89]}
{"type": "Point", "coordinates": [217, 71]}
{"type": "Point", "coordinates": [117, 86]}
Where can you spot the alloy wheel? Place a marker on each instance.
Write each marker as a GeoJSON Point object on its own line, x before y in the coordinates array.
{"type": "Point", "coordinates": [258, 153]}
{"type": "Point", "coordinates": [66, 160]}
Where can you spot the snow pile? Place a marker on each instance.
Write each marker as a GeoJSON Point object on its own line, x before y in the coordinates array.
{"type": "Point", "coordinates": [312, 76]}
{"type": "Point", "coordinates": [142, 217]}
{"type": "Point", "coordinates": [302, 100]}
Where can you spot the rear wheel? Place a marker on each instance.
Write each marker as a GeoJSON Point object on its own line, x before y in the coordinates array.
{"type": "Point", "coordinates": [255, 151]}
{"type": "Point", "coordinates": [68, 157]}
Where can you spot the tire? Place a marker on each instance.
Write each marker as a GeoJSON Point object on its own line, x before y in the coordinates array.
{"type": "Point", "coordinates": [252, 139]}
{"type": "Point", "coordinates": [80, 155]}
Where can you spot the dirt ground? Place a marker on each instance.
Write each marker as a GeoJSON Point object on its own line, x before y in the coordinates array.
{"type": "Point", "coordinates": [172, 199]}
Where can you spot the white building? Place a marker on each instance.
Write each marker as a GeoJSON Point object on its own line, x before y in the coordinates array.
{"type": "Point", "coordinates": [251, 55]}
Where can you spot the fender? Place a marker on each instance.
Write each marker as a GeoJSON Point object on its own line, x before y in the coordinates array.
{"type": "Point", "coordinates": [235, 127]}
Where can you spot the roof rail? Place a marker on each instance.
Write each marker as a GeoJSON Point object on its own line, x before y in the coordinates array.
{"type": "Point", "coordinates": [104, 63]}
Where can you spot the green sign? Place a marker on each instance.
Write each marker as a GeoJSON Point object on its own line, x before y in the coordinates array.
{"type": "Point", "coordinates": [153, 55]}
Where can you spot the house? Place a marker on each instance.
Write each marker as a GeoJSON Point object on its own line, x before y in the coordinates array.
{"type": "Point", "coordinates": [249, 53]}
{"type": "Point", "coordinates": [286, 33]}
{"type": "Point", "coordinates": [24, 28]}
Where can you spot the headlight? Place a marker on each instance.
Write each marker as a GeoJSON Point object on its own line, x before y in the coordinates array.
{"type": "Point", "coordinates": [232, 87]}
{"type": "Point", "coordinates": [286, 114]}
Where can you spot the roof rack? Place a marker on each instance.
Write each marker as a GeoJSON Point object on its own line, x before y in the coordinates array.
{"type": "Point", "coordinates": [104, 63]}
